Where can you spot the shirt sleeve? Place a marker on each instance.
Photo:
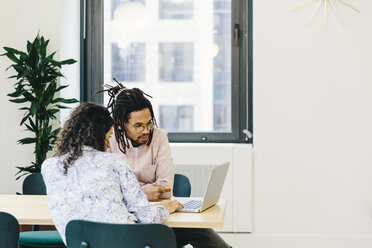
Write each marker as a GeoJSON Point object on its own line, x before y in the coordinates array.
{"type": "Point", "coordinates": [164, 174]}
{"type": "Point", "coordinates": [135, 199]}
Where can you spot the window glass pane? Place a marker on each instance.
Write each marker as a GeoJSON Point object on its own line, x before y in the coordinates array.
{"type": "Point", "coordinates": [179, 52]}
{"type": "Point", "coordinates": [114, 4]}
{"type": "Point", "coordinates": [176, 62]}
{"type": "Point", "coordinates": [176, 118]}
{"type": "Point", "coordinates": [222, 70]}
{"type": "Point", "coordinates": [175, 9]}
{"type": "Point", "coordinates": [128, 63]}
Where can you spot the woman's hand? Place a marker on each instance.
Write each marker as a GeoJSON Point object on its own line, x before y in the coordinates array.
{"type": "Point", "coordinates": [170, 205]}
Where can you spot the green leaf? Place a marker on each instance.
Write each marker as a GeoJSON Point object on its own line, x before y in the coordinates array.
{"type": "Point", "coordinates": [43, 48]}
{"type": "Point", "coordinates": [49, 94]}
{"type": "Point", "coordinates": [55, 63]}
{"type": "Point", "coordinates": [25, 118]}
{"type": "Point", "coordinates": [30, 128]}
{"type": "Point", "coordinates": [62, 107]}
{"type": "Point", "coordinates": [48, 130]}
{"type": "Point", "coordinates": [22, 100]}
{"type": "Point", "coordinates": [14, 51]}
{"type": "Point", "coordinates": [26, 170]}
{"type": "Point", "coordinates": [24, 174]}
{"type": "Point", "coordinates": [23, 57]}
{"type": "Point", "coordinates": [52, 112]}
{"type": "Point", "coordinates": [29, 46]}
{"type": "Point", "coordinates": [68, 62]}
{"type": "Point", "coordinates": [12, 57]}
{"type": "Point", "coordinates": [61, 87]}
{"type": "Point", "coordinates": [55, 132]}
{"type": "Point", "coordinates": [63, 100]}
{"type": "Point", "coordinates": [18, 68]}
{"type": "Point", "coordinates": [34, 107]}
{"type": "Point", "coordinates": [17, 93]}
{"type": "Point", "coordinates": [27, 141]}
{"type": "Point", "coordinates": [29, 96]}
{"type": "Point", "coordinates": [8, 69]}
{"type": "Point", "coordinates": [32, 124]}
{"type": "Point", "coordinates": [50, 56]}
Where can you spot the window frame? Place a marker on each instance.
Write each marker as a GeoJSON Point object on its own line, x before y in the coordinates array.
{"type": "Point", "coordinates": [92, 74]}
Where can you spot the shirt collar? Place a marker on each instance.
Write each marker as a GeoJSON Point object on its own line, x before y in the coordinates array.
{"type": "Point", "coordinates": [88, 148]}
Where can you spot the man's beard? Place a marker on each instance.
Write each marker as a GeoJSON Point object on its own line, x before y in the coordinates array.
{"type": "Point", "coordinates": [138, 142]}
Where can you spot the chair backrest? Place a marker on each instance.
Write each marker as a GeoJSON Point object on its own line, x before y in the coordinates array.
{"type": "Point", "coordinates": [88, 234]}
{"type": "Point", "coordinates": [34, 185]}
{"type": "Point", "coordinates": [182, 186]}
{"type": "Point", "coordinates": [9, 230]}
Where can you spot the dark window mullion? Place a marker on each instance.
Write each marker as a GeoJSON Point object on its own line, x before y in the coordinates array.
{"type": "Point", "coordinates": [248, 18]}
{"type": "Point", "coordinates": [235, 68]}
{"type": "Point", "coordinates": [93, 59]}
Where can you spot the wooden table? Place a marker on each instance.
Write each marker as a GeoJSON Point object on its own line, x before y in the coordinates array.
{"type": "Point", "coordinates": [34, 210]}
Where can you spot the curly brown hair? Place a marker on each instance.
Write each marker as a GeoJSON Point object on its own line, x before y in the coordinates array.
{"type": "Point", "coordinates": [87, 126]}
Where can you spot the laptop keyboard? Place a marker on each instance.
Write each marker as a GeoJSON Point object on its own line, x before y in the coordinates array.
{"type": "Point", "coordinates": [193, 204]}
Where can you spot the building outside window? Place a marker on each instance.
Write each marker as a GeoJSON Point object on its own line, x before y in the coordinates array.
{"type": "Point", "coordinates": [128, 63]}
{"type": "Point", "coordinates": [176, 62]}
{"type": "Point", "coordinates": [174, 9]}
{"type": "Point", "coordinates": [173, 118]}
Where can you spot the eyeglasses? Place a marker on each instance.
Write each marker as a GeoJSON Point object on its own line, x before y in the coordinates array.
{"type": "Point", "coordinates": [141, 127]}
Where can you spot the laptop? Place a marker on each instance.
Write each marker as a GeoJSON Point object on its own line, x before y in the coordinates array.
{"type": "Point", "coordinates": [211, 195]}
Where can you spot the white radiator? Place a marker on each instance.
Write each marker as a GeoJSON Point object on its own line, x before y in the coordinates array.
{"type": "Point", "coordinates": [196, 161]}
{"type": "Point", "coordinates": [198, 176]}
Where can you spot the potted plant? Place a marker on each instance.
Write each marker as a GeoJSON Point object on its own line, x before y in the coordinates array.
{"type": "Point", "coordinates": [37, 87]}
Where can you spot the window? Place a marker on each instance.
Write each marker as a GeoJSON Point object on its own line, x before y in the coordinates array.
{"type": "Point", "coordinates": [128, 63]}
{"type": "Point", "coordinates": [193, 57]}
{"type": "Point", "coordinates": [176, 118]}
{"type": "Point", "coordinates": [175, 9]}
{"type": "Point", "coordinates": [176, 62]}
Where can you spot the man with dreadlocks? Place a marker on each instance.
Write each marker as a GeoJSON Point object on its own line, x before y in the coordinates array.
{"type": "Point", "coordinates": [145, 147]}
{"type": "Point", "coordinates": [147, 151]}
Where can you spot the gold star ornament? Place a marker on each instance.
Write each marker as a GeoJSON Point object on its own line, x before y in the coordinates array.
{"type": "Point", "coordinates": [325, 4]}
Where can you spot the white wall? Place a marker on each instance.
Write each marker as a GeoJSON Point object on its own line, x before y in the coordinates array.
{"type": "Point", "coordinates": [21, 20]}
{"type": "Point", "coordinates": [312, 127]}
{"type": "Point", "coordinates": [70, 48]}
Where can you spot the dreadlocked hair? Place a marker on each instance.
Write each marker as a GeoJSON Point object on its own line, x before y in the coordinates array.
{"type": "Point", "coordinates": [87, 126]}
{"type": "Point", "coordinates": [122, 103]}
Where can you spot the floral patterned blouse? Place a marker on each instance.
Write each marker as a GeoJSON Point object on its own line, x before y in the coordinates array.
{"type": "Point", "coordinates": [100, 187]}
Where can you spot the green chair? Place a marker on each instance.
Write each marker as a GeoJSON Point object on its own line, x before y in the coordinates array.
{"type": "Point", "coordinates": [181, 186]}
{"type": "Point", "coordinates": [87, 234]}
{"type": "Point", "coordinates": [9, 230]}
{"type": "Point", "coordinates": [34, 185]}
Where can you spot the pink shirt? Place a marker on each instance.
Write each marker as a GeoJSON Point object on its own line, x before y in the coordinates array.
{"type": "Point", "coordinates": [151, 164]}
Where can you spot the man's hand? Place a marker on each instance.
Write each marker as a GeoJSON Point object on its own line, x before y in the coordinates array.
{"type": "Point", "coordinates": [154, 191]}
{"type": "Point", "coordinates": [170, 205]}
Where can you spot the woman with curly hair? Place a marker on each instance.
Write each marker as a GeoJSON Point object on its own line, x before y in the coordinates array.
{"type": "Point", "coordinates": [85, 182]}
